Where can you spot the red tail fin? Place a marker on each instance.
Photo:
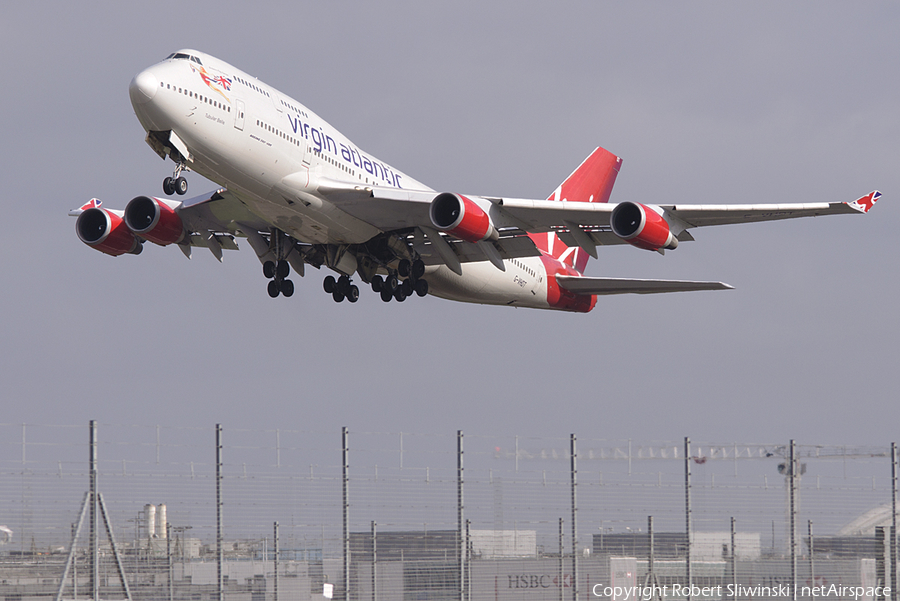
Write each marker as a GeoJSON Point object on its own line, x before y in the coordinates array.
{"type": "Point", "coordinates": [592, 182]}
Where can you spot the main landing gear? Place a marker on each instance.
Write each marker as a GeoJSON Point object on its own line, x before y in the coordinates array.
{"type": "Point", "coordinates": [392, 288]}
{"type": "Point", "coordinates": [278, 272]}
{"type": "Point", "coordinates": [176, 184]}
{"type": "Point", "coordinates": [341, 288]}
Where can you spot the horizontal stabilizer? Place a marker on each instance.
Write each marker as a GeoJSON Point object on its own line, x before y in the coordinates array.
{"type": "Point", "coordinates": [605, 286]}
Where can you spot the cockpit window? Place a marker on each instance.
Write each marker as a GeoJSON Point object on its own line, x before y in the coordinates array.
{"type": "Point", "coordinates": [182, 55]}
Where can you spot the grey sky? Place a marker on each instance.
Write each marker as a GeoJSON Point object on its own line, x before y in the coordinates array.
{"type": "Point", "coordinates": [705, 102]}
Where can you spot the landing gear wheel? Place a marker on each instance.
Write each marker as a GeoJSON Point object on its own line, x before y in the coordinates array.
{"type": "Point", "coordinates": [274, 288]}
{"type": "Point", "coordinates": [353, 295]}
{"type": "Point", "coordinates": [386, 295]}
{"type": "Point", "coordinates": [337, 296]}
{"type": "Point", "coordinates": [287, 288]}
{"type": "Point", "coordinates": [421, 287]}
{"type": "Point", "coordinates": [329, 284]}
{"type": "Point", "coordinates": [180, 185]}
{"type": "Point", "coordinates": [343, 285]}
{"type": "Point", "coordinates": [403, 268]}
{"type": "Point", "coordinates": [390, 283]}
{"type": "Point", "coordinates": [168, 186]}
{"type": "Point", "coordinates": [418, 269]}
{"type": "Point", "coordinates": [377, 283]}
{"type": "Point", "coordinates": [283, 269]}
{"type": "Point", "coordinates": [407, 288]}
{"type": "Point", "coordinates": [399, 294]}
{"type": "Point", "coordinates": [269, 270]}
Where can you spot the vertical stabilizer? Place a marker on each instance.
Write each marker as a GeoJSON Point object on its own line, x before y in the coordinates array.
{"type": "Point", "coordinates": [592, 181]}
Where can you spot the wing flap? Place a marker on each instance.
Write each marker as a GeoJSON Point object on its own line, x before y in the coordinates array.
{"type": "Point", "coordinates": [607, 286]}
{"type": "Point", "coordinates": [387, 209]}
{"type": "Point", "coordinates": [513, 247]}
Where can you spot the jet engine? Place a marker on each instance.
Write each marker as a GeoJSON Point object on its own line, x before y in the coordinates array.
{"type": "Point", "coordinates": [155, 220]}
{"type": "Point", "coordinates": [461, 217]}
{"type": "Point", "coordinates": [107, 232]}
{"type": "Point", "coordinates": [641, 226]}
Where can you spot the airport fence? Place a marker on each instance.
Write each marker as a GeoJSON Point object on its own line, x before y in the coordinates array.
{"type": "Point", "coordinates": [134, 512]}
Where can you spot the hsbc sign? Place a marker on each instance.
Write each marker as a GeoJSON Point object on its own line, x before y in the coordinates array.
{"type": "Point", "coordinates": [536, 581]}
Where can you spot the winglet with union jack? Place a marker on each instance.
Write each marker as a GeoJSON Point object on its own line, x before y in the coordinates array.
{"type": "Point", "coordinates": [866, 202]}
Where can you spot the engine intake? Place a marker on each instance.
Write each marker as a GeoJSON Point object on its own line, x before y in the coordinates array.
{"type": "Point", "coordinates": [641, 226]}
{"type": "Point", "coordinates": [461, 217]}
{"type": "Point", "coordinates": [154, 220]}
{"type": "Point", "coordinates": [106, 232]}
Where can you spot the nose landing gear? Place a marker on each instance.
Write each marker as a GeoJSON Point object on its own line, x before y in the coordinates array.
{"type": "Point", "coordinates": [176, 184]}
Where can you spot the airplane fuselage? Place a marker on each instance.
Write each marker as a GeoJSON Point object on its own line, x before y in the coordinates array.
{"type": "Point", "coordinates": [272, 152]}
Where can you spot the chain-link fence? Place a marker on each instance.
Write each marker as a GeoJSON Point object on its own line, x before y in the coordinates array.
{"type": "Point", "coordinates": [209, 514]}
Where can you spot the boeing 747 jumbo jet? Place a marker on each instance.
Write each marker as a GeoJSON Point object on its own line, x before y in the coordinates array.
{"type": "Point", "coordinates": [303, 194]}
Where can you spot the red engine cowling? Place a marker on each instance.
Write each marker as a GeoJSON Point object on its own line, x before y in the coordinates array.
{"type": "Point", "coordinates": [461, 218]}
{"type": "Point", "coordinates": [154, 220]}
{"type": "Point", "coordinates": [641, 226]}
{"type": "Point", "coordinates": [107, 232]}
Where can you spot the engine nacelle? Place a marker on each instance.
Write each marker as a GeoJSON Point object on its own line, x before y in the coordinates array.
{"type": "Point", "coordinates": [107, 232]}
{"type": "Point", "coordinates": [461, 218]}
{"type": "Point", "coordinates": [641, 226]}
{"type": "Point", "coordinates": [153, 219]}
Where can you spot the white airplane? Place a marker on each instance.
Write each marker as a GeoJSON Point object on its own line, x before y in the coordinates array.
{"type": "Point", "coordinates": [303, 194]}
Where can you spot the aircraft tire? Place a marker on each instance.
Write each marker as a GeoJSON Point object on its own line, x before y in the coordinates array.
{"type": "Point", "coordinates": [377, 283]}
{"type": "Point", "coordinates": [408, 288]}
{"type": "Point", "coordinates": [337, 296]}
{"type": "Point", "coordinates": [273, 289]}
{"type": "Point", "coordinates": [354, 294]}
{"type": "Point", "coordinates": [343, 285]}
{"type": "Point", "coordinates": [390, 283]}
{"type": "Point", "coordinates": [404, 267]}
{"type": "Point", "coordinates": [386, 295]}
{"type": "Point", "coordinates": [399, 294]}
{"type": "Point", "coordinates": [418, 269]}
{"type": "Point", "coordinates": [282, 269]}
{"type": "Point", "coordinates": [329, 284]}
{"type": "Point", "coordinates": [421, 287]}
{"type": "Point", "coordinates": [287, 288]}
{"type": "Point", "coordinates": [168, 186]}
{"type": "Point", "coordinates": [269, 270]}
{"type": "Point", "coordinates": [180, 185]}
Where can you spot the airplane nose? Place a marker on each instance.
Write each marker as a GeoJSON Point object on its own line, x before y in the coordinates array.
{"type": "Point", "coordinates": [143, 87]}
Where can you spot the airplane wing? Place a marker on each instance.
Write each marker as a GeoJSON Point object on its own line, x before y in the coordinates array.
{"type": "Point", "coordinates": [390, 209]}
{"type": "Point", "coordinates": [607, 286]}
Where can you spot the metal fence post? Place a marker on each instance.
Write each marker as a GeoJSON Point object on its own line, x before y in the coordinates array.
{"type": "Point", "coordinates": [687, 516]}
{"type": "Point", "coordinates": [460, 516]}
{"type": "Point", "coordinates": [812, 560]}
{"type": "Point", "coordinates": [879, 560]}
{"type": "Point", "coordinates": [894, 584]}
{"type": "Point", "coordinates": [560, 567]}
{"type": "Point", "coordinates": [792, 474]}
{"type": "Point", "coordinates": [95, 531]}
{"type": "Point", "coordinates": [574, 475]}
{"type": "Point", "coordinates": [277, 550]}
{"type": "Point", "coordinates": [219, 542]}
{"type": "Point", "coordinates": [374, 562]}
{"type": "Point", "coordinates": [733, 561]}
{"type": "Point", "coordinates": [346, 510]}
